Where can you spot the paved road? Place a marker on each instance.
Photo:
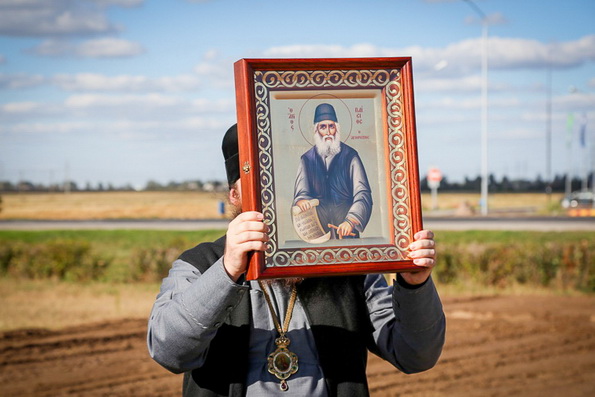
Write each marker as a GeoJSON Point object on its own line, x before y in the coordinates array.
{"type": "Point", "coordinates": [433, 223]}
{"type": "Point", "coordinates": [158, 224]}
{"type": "Point", "coordinates": [557, 224]}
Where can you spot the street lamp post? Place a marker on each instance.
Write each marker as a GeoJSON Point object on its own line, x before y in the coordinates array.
{"type": "Point", "coordinates": [548, 133]}
{"type": "Point", "coordinates": [484, 108]}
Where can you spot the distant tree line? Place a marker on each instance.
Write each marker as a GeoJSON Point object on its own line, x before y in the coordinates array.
{"type": "Point", "coordinates": [504, 185]}
{"type": "Point", "coordinates": [195, 185]}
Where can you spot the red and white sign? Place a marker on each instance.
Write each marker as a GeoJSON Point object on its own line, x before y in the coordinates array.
{"type": "Point", "coordinates": [434, 175]}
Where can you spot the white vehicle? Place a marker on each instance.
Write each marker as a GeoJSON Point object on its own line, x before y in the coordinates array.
{"type": "Point", "coordinates": [578, 199]}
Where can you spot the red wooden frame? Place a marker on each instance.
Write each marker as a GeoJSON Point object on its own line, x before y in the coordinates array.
{"type": "Point", "coordinates": [256, 80]}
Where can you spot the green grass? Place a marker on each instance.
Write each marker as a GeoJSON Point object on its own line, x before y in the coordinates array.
{"type": "Point", "coordinates": [504, 259]}
{"type": "Point", "coordinates": [123, 238]}
{"type": "Point", "coordinates": [495, 259]}
{"type": "Point", "coordinates": [507, 237]}
{"type": "Point", "coordinates": [121, 255]}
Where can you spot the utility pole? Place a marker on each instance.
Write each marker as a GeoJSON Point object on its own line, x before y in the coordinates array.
{"type": "Point", "coordinates": [548, 133]}
{"type": "Point", "coordinates": [66, 178]}
{"type": "Point", "coordinates": [569, 132]}
{"type": "Point", "coordinates": [484, 107]}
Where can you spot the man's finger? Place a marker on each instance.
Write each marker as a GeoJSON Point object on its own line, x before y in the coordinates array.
{"type": "Point", "coordinates": [249, 216]}
{"type": "Point", "coordinates": [425, 243]}
{"type": "Point", "coordinates": [251, 236]}
{"type": "Point", "coordinates": [423, 253]}
{"type": "Point", "coordinates": [424, 234]}
{"type": "Point", "coordinates": [424, 262]}
{"type": "Point", "coordinates": [253, 245]}
{"type": "Point", "coordinates": [250, 226]}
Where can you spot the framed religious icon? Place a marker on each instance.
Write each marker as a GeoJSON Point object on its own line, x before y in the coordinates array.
{"type": "Point", "coordinates": [328, 154]}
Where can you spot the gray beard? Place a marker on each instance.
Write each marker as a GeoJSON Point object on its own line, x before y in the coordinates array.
{"type": "Point", "coordinates": [325, 148]}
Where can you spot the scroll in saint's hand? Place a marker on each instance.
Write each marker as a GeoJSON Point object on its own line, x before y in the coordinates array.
{"type": "Point", "coordinates": [307, 225]}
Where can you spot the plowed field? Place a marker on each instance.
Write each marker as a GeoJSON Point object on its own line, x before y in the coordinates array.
{"type": "Point", "coordinates": [496, 346]}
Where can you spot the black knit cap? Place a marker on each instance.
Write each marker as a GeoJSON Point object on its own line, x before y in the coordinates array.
{"type": "Point", "coordinates": [230, 154]}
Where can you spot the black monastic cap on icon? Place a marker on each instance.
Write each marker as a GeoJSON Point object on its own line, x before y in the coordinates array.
{"type": "Point", "coordinates": [325, 111]}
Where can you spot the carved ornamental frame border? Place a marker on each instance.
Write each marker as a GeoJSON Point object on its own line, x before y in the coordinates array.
{"type": "Point", "coordinates": [255, 80]}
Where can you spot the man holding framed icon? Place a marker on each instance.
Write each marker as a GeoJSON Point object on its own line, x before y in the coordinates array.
{"type": "Point", "coordinates": [295, 336]}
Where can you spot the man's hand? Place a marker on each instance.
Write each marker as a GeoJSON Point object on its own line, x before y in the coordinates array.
{"type": "Point", "coordinates": [423, 253]}
{"type": "Point", "coordinates": [345, 229]}
{"type": "Point", "coordinates": [304, 205]}
{"type": "Point", "coordinates": [247, 232]}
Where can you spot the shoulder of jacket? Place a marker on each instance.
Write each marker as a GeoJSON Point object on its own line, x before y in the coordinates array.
{"type": "Point", "coordinates": [204, 254]}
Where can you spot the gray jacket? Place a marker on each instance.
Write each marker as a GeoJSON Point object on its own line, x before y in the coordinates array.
{"type": "Point", "coordinates": [202, 320]}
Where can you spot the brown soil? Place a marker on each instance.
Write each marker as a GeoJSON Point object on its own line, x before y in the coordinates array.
{"type": "Point", "coordinates": [496, 346]}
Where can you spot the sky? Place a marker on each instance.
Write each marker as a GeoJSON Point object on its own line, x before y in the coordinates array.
{"type": "Point", "coordinates": [125, 91]}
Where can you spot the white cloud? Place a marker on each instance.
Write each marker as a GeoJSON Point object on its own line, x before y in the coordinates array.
{"type": "Point", "coordinates": [94, 101]}
{"type": "Point", "coordinates": [140, 106]}
{"type": "Point", "coordinates": [504, 54]}
{"type": "Point", "coordinates": [142, 130]}
{"type": "Point", "coordinates": [31, 110]}
{"type": "Point", "coordinates": [215, 106]}
{"type": "Point", "coordinates": [53, 47]}
{"type": "Point", "coordinates": [516, 134]}
{"type": "Point", "coordinates": [575, 102]}
{"type": "Point", "coordinates": [99, 82]}
{"type": "Point", "coordinates": [450, 103]}
{"type": "Point", "coordinates": [148, 107]}
{"type": "Point", "coordinates": [108, 48]}
{"type": "Point", "coordinates": [20, 80]}
{"type": "Point", "coordinates": [61, 17]}
{"type": "Point", "coordinates": [58, 17]}
{"type": "Point", "coordinates": [530, 54]}
{"type": "Point", "coordinates": [98, 48]}
{"type": "Point", "coordinates": [17, 3]}
{"type": "Point", "coordinates": [119, 3]}
{"type": "Point", "coordinates": [324, 51]}
{"type": "Point", "coordinates": [470, 83]}
{"type": "Point", "coordinates": [211, 54]}
{"type": "Point", "coordinates": [463, 56]}
{"type": "Point", "coordinates": [217, 70]}
{"type": "Point", "coordinates": [19, 107]}
{"type": "Point", "coordinates": [47, 128]}
{"type": "Point", "coordinates": [160, 128]}
{"type": "Point", "coordinates": [495, 18]}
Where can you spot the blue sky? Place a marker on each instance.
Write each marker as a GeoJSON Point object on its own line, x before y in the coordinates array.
{"type": "Point", "coordinates": [127, 91]}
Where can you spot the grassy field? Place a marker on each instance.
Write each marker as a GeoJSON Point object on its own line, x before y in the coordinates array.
{"type": "Point", "coordinates": [51, 279]}
{"type": "Point", "coordinates": [103, 255]}
{"type": "Point", "coordinates": [528, 203]}
{"type": "Point", "coordinates": [35, 294]}
{"type": "Point", "coordinates": [201, 205]}
{"type": "Point", "coordinates": [55, 278]}
{"type": "Point", "coordinates": [111, 205]}
{"type": "Point", "coordinates": [53, 304]}
{"type": "Point", "coordinates": [506, 295]}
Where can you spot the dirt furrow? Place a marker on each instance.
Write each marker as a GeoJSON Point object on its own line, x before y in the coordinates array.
{"type": "Point", "coordinates": [496, 346]}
